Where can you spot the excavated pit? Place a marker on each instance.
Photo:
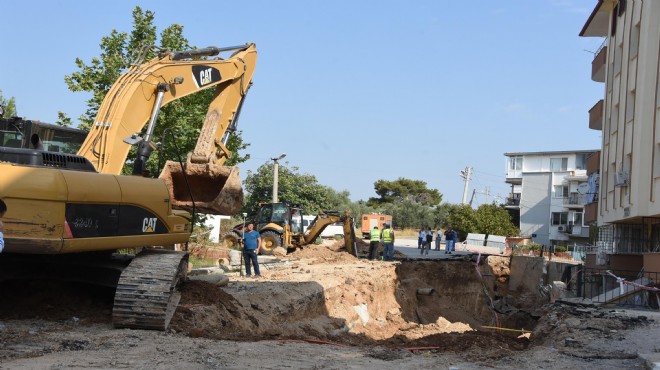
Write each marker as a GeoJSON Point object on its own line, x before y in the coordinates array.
{"type": "Point", "coordinates": [441, 305]}
{"type": "Point", "coordinates": [333, 297]}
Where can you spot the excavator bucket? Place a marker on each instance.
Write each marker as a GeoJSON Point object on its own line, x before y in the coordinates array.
{"type": "Point", "coordinates": [215, 189]}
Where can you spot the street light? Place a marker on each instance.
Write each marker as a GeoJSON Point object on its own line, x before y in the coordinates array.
{"type": "Point", "coordinates": [243, 229]}
{"type": "Point", "coordinates": [276, 170]}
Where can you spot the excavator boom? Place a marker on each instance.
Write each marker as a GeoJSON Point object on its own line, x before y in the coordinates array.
{"type": "Point", "coordinates": [135, 100]}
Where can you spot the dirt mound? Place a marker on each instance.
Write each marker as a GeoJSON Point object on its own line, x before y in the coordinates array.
{"type": "Point", "coordinates": [332, 252]}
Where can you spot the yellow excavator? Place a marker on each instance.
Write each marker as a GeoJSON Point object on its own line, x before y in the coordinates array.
{"type": "Point", "coordinates": [68, 213]}
{"type": "Point", "coordinates": [281, 225]}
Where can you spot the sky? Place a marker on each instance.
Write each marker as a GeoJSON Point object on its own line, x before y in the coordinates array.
{"type": "Point", "coordinates": [354, 91]}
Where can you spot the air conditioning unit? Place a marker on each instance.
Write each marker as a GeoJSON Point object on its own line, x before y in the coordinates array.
{"type": "Point", "coordinates": [621, 178]}
{"type": "Point", "coordinates": [562, 228]}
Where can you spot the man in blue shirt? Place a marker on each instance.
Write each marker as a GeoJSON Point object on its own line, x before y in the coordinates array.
{"type": "Point", "coordinates": [251, 246]}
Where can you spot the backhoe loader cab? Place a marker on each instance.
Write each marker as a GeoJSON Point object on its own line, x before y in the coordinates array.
{"type": "Point", "coordinates": [279, 214]}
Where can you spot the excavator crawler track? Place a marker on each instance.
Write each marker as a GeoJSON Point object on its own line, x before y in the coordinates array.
{"type": "Point", "coordinates": [147, 295]}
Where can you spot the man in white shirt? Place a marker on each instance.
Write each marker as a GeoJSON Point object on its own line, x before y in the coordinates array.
{"type": "Point", "coordinates": [438, 239]}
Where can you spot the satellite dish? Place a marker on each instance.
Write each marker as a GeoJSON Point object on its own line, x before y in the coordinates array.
{"type": "Point", "coordinates": [583, 188]}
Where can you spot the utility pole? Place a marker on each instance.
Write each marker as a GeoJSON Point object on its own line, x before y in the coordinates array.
{"type": "Point", "coordinates": [474, 191]}
{"type": "Point", "coordinates": [276, 170]}
{"type": "Point", "coordinates": [465, 174]}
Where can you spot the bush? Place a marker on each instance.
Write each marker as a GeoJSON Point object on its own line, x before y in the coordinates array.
{"type": "Point", "coordinates": [525, 249]}
{"type": "Point", "coordinates": [533, 246]}
{"type": "Point", "coordinates": [560, 248]}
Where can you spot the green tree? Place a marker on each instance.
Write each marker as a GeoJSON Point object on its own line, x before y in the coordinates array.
{"type": "Point", "coordinates": [402, 188]}
{"type": "Point", "coordinates": [9, 105]}
{"type": "Point", "coordinates": [181, 119]}
{"type": "Point", "coordinates": [489, 219]}
{"type": "Point", "coordinates": [63, 119]}
{"type": "Point", "coordinates": [441, 214]}
{"type": "Point", "coordinates": [463, 219]}
{"type": "Point", "coordinates": [407, 213]}
{"type": "Point", "coordinates": [293, 188]}
{"type": "Point", "coordinates": [493, 219]}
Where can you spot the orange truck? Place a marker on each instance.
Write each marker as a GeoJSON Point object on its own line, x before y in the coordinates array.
{"type": "Point", "coordinates": [374, 219]}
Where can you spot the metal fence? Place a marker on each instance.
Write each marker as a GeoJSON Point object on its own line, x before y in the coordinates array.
{"type": "Point", "coordinates": [630, 238]}
{"type": "Point", "coordinates": [620, 287]}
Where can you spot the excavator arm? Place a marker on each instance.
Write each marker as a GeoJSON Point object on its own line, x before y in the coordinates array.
{"type": "Point", "coordinates": [204, 184]}
{"type": "Point", "coordinates": [326, 218]}
{"type": "Point", "coordinates": [137, 96]}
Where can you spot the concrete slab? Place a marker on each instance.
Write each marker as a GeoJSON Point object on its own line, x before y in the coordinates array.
{"type": "Point", "coordinates": [652, 360]}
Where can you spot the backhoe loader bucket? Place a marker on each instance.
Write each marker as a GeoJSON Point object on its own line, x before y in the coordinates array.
{"type": "Point", "coordinates": [215, 189]}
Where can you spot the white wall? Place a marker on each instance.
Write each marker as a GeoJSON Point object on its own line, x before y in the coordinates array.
{"type": "Point", "coordinates": [213, 222]}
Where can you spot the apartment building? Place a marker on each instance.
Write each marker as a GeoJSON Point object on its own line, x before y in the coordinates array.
{"type": "Point", "coordinates": [549, 191]}
{"type": "Point", "coordinates": [628, 114]}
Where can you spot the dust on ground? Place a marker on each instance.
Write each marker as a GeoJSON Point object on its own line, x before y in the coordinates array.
{"type": "Point", "coordinates": [321, 307]}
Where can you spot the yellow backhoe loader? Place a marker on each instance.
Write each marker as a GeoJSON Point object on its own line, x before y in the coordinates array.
{"type": "Point", "coordinates": [67, 214]}
{"type": "Point", "coordinates": [281, 225]}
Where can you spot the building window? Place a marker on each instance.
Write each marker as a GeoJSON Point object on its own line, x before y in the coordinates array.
{"type": "Point", "coordinates": [558, 164]}
{"type": "Point", "coordinates": [559, 218]}
{"type": "Point", "coordinates": [560, 191]}
{"type": "Point", "coordinates": [581, 161]}
{"type": "Point", "coordinates": [515, 163]}
{"type": "Point", "coordinates": [577, 219]}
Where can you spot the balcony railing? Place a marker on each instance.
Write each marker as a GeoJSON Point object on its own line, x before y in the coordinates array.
{"type": "Point", "coordinates": [591, 212]}
{"type": "Point", "coordinates": [630, 238]}
{"type": "Point", "coordinates": [574, 200]}
{"type": "Point", "coordinates": [596, 116]}
{"type": "Point", "coordinates": [598, 64]}
{"type": "Point", "coordinates": [574, 230]}
{"type": "Point", "coordinates": [593, 163]}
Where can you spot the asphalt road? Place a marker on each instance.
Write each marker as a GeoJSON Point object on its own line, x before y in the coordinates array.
{"type": "Point", "coordinates": [409, 248]}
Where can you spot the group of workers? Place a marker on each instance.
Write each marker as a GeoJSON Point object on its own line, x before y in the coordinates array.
{"type": "Point", "coordinates": [426, 237]}
{"type": "Point", "coordinates": [385, 236]}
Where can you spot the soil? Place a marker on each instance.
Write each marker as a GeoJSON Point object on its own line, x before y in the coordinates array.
{"type": "Point", "coordinates": [320, 307]}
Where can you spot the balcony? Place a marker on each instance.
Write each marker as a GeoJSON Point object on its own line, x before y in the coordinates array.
{"type": "Point", "coordinates": [574, 230]}
{"type": "Point", "coordinates": [574, 200]}
{"type": "Point", "coordinates": [591, 213]}
{"type": "Point", "coordinates": [513, 201]}
{"type": "Point", "coordinates": [596, 116]}
{"type": "Point", "coordinates": [514, 177]}
{"type": "Point", "coordinates": [593, 163]}
{"type": "Point", "coordinates": [598, 64]}
{"type": "Point", "coordinates": [579, 231]}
